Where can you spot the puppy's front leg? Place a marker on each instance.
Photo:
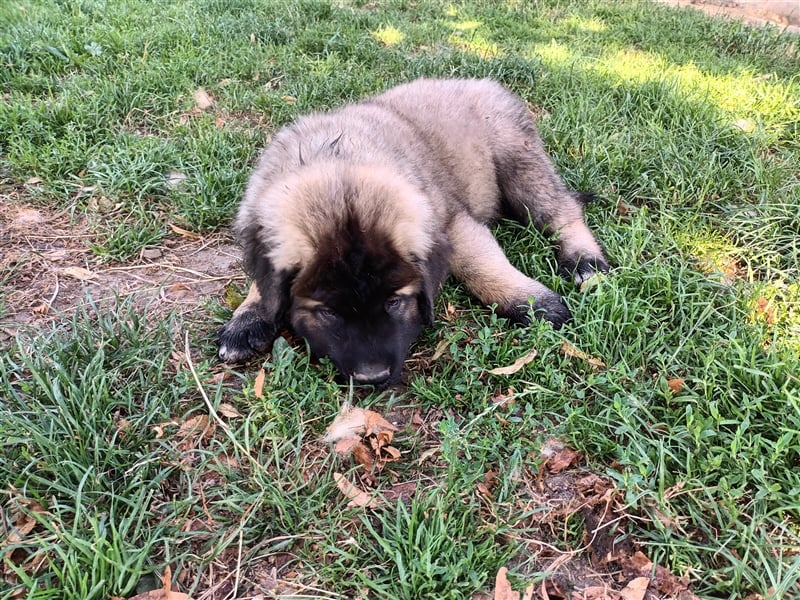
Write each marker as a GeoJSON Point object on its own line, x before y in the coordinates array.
{"type": "Point", "coordinates": [249, 332]}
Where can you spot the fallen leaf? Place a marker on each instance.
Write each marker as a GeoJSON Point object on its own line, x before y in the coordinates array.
{"type": "Point", "coordinates": [202, 99]}
{"type": "Point", "coordinates": [516, 366]}
{"type": "Point", "coordinates": [562, 460]}
{"type": "Point", "coordinates": [258, 384]}
{"type": "Point", "coordinates": [41, 309]}
{"type": "Point", "coordinates": [675, 385]}
{"type": "Point", "coordinates": [185, 232]}
{"type": "Point", "coordinates": [78, 273]}
{"type": "Point", "coordinates": [166, 579]}
{"type": "Point", "coordinates": [765, 310]}
{"type": "Point", "coordinates": [597, 592]}
{"type": "Point", "coordinates": [178, 290]}
{"type": "Point", "coordinates": [636, 589]}
{"type": "Point", "coordinates": [160, 595]}
{"type": "Point", "coordinates": [641, 563]}
{"type": "Point", "coordinates": [502, 587]}
{"type": "Point", "coordinates": [227, 410]}
{"type": "Point", "coordinates": [195, 430]}
{"type": "Point", "coordinates": [34, 181]}
{"type": "Point", "coordinates": [356, 496]}
{"type": "Point", "coordinates": [571, 351]}
{"type": "Point", "coordinates": [374, 423]}
{"type": "Point", "coordinates": [289, 99]}
{"type": "Point", "coordinates": [401, 491]}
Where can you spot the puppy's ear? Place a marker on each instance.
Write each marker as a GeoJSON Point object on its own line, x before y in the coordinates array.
{"type": "Point", "coordinates": [434, 270]}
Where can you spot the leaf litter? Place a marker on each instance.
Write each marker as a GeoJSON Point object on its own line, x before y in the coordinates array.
{"type": "Point", "coordinates": [366, 437]}
{"type": "Point", "coordinates": [607, 566]}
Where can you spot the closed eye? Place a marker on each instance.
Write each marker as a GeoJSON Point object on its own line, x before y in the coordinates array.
{"type": "Point", "coordinates": [394, 304]}
{"type": "Point", "coordinates": [325, 313]}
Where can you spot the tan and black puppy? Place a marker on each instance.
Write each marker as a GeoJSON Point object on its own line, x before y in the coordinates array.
{"type": "Point", "coordinates": [353, 219]}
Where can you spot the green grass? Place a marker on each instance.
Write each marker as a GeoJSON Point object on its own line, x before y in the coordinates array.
{"type": "Point", "coordinates": [691, 124]}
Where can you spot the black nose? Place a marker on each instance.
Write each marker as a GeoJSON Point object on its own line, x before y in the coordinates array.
{"type": "Point", "coordinates": [371, 374]}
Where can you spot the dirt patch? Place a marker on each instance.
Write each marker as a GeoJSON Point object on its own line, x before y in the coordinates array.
{"type": "Point", "coordinates": [48, 269]}
{"type": "Point", "coordinates": [783, 13]}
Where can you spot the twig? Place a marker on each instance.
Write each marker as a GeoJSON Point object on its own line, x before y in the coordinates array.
{"type": "Point", "coordinates": [55, 293]}
{"type": "Point", "coordinates": [222, 425]}
{"type": "Point", "coordinates": [169, 267]}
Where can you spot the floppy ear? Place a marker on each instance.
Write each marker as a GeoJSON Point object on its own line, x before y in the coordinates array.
{"type": "Point", "coordinates": [434, 270]}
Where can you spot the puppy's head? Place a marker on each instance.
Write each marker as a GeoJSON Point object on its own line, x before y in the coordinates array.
{"type": "Point", "coordinates": [362, 258]}
{"type": "Point", "coordinates": [360, 303]}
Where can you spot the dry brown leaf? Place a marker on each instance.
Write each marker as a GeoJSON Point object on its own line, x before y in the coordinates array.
{"type": "Point", "coordinates": [258, 384]}
{"type": "Point", "coordinates": [571, 351]}
{"type": "Point", "coordinates": [375, 423]}
{"type": "Point", "coordinates": [597, 592]}
{"type": "Point", "coordinates": [401, 491]}
{"type": "Point", "coordinates": [765, 310]}
{"type": "Point", "coordinates": [178, 290]}
{"type": "Point", "coordinates": [675, 385]}
{"type": "Point", "coordinates": [202, 99]}
{"type": "Point", "coordinates": [289, 99]}
{"type": "Point", "coordinates": [364, 455]}
{"type": "Point", "coordinates": [41, 309]}
{"type": "Point", "coordinates": [502, 588]}
{"type": "Point", "coordinates": [227, 410]}
{"type": "Point", "coordinates": [561, 460]}
{"type": "Point", "coordinates": [166, 579]}
{"type": "Point", "coordinates": [641, 563]}
{"type": "Point", "coordinates": [515, 366]}
{"type": "Point", "coordinates": [160, 595]}
{"type": "Point", "coordinates": [356, 496]}
{"type": "Point", "coordinates": [185, 232]}
{"type": "Point", "coordinates": [78, 273]}
{"type": "Point", "coordinates": [636, 589]}
{"type": "Point", "coordinates": [195, 430]}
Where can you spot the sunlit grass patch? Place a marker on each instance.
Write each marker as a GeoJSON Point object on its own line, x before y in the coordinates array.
{"type": "Point", "coordinates": [388, 35]}
{"type": "Point", "coordinates": [681, 387]}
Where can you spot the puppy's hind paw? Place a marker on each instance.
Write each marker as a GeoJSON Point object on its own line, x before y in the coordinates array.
{"type": "Point", "coordinates": [583, 268]}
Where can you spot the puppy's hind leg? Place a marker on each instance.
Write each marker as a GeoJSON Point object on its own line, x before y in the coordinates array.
{"type": "Point", "coordinates": [479, 262]}
{"type": "Point", "coordinates": [533, 192]}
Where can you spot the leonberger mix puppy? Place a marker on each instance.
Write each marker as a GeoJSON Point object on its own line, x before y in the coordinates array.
{"type": "Point", "coordinates": [353, 219]}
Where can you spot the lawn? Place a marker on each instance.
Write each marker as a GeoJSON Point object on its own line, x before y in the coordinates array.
{"type": "Point", "coordinates": [657, 436]}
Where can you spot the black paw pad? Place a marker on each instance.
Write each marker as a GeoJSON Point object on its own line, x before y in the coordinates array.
{"type": "Point", "coordinates": [583, 268]}
{"type": "Point", "coordinates": [244, 336]}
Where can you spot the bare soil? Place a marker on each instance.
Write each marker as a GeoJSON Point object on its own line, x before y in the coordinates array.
{"type": "Point", "coordinates": [49, 268]}
{"type": "Point", "coordinates": [782, 13]}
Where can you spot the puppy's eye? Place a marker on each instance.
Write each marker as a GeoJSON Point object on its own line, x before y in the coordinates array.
{"type": "Point", "coordinates": [394, 304]}
{"type": "Point", "coordinates": [325, 313]}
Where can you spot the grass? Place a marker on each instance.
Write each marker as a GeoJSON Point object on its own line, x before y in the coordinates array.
{"type": "Point", "coordinates": [687, 128]}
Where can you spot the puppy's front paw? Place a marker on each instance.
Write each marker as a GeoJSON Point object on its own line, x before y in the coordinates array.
{"type": "Point", "coordinates": [246, 335]}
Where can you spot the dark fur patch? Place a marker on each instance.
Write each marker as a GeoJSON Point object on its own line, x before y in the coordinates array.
{"type": "Point", "coordinates": [355, 271]}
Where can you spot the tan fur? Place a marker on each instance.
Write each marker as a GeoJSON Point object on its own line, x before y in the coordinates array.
{"type": "Point", "coordinates": [417, 173]}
